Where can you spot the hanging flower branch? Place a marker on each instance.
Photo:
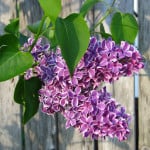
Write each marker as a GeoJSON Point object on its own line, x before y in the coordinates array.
{"type": "Point", "coordinates": [65, 75]}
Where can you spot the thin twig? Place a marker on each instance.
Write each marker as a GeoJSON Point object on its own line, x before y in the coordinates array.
{"type": "Point", "coordinates": [39, 32]}
{"type": "Point", "coordinates": [108, 12]}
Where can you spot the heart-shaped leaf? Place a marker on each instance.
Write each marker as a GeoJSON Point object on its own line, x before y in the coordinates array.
{"type": "Point", "coordinates": [19, 91]}
{"type": "Point", "coordinates": [124, 27]}
{"type": "Point", "coordinates": [12, 27]}
{"type": "Point", "coordinates": [51, 8]}
{"type": "Point", "coordinates": [12, 61]}
{"type": "Point", "coordinates": [73, 37]}
{"type": "Point", "coordinates": [35, 26]}
{"type": "Point", "coordinates": [87, 5]}
{"type": "Point", "coordinates": [23, 39]}
{"type": "Point", "coordinates": [103, 33]}
{"type": "Point", "coordinates": [26, 93]}
{"type": "Point", "coordinates": [50, 35]}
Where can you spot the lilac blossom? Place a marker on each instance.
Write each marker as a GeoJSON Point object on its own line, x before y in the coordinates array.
{"type": "Point", "coordinates": [94, 112]}
{"type": "Point", "coordinates": [99, 116]}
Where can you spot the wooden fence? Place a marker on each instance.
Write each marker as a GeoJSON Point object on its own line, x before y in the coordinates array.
{"type": "Point", "coordinates": [48, 133]}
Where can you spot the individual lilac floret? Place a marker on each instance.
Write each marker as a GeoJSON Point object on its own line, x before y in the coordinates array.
{"type": "Point", "coordinates": [28, 74]}
{"type": "Point", "coordinates": [28, 44]}
{"type": "Point", "coordinates": [99, 116]}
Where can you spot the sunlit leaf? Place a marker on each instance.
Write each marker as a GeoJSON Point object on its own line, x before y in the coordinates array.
{"type": "Point", "coordinates": [51, 8]}
{"type": "Point", "coordinates": [12, 61]}
{"type": "Point", "coordinates": [26, 94]}
{"type": "Point", "coordinates": [13, 26]}
{"type": "Point", "coordinates": [35, 26]}
{"type": "Point", "coordinates": [87, 5]}
{"type": "Point", "coordinates": [73, 37]}
{"type": "Point", "coordinates": [124, 27]}
{"type": "Point", "coordinates": [103, 33]}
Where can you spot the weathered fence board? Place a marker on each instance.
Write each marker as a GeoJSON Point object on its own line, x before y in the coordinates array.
{"type": "Point", "coordinates": [71, 139]}
{"type": "Point", "coordinates": [40, 131]}
{"type": "Point", "coordinates": [124, 93]}
{"type": "Point", "coordinates": [122, 90]}
{"type": "Point", "coordinates": [144, 99]}
{"type": "Point", "coordinates": [10, 130]}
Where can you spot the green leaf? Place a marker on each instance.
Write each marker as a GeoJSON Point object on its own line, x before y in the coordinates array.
{"type": "Point", "coordinates": [46, 31]}
{"type": "Point", "coordinates": [87, 5]}
{"type": "Point", "coordinates": [12, 27]}
{"type": "Point", "coordinates": [12, 61]}
{"type": "Point", "coordinates": [35, 26]}
{"type": "Point", "coordinates": [9, 40]}
{"type": "Point", "coordinates": [50, 35]}
{"type": "Point", "coordinates": [15, 63]}
{"type": "Point", "coordinates": [31, 88]}
{"type": "Point", "coordinates": [106, 35]}
{"type": "Point", "coordinates": [23, 39]}
{"type": "Point", "coordinates": [103, 33]}
{"type": "Point", "coordinates": [19, 91]}
{"type": "Point", "coordinates": [26, 94]}
{"type": "Point", "coordinates": [102, 29]}
{"type": "Point", "coordinates": [124, 27]}
{"type": "Point", "coordinates": [51, 8]}
{"type": "Point", "coordinates": [73, 37]}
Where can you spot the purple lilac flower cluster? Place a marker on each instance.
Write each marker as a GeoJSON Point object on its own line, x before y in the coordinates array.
{"type": "Point", "coordinates": [94, 112]}
{"type": "Point", "coordinates": [98, 115]}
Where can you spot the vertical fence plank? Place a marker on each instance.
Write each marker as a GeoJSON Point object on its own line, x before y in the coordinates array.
{"type": "Point", "coordinates": [71, 139]}
{"type": "Point", "coordinates": [144, 86]}
{"type": "Point", "coordinates": [123, 92]}
{"type": "Point", "coordinates": [40, 130]}
{"type": "Point", "coordinates": [10, 130]}
{"type": "Point", "coordinates": [122, 89]}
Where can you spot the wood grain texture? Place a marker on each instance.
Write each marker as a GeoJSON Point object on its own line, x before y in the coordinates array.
{"type": "Point", "coordinates": [30, 12]}
{"type": "Point", "coordinates": [144, 99]}
{"type": "Point", "coordinates": [71, 139]}
{"type": "Point", "coordinates": [7, 12]}
{"type": "Point", "coordinates": [40, 133]}
{"type": "Point", "coordinates": [10, 131]}
{"type": "Point", "coordinates": [40, 130]}
{"type": "Point", "coordinates": [123, 89]}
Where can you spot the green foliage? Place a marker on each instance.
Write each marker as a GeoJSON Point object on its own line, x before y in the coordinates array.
{"type": "Point", "coordinates": [12, 61]}
{"type": "Point", "coordinates": [12, 27]}
{"type": "Point", "coordinates": [22, 39]}
{"type": "Point", "coordinates": [51, 8]}
{"type": "Point", "coordinates": [70, 33]}
{"type": "Point", "coordinates": [26, 94]}
{"type": "Point", "coordinates": [47, 31]}
{"type": "Point", "coordinates": [87, 5]}
{"type": "Point", "coordinates": [124, 27]}
{"type": "Point", "coordinates": [103, 33]}
{"type": "Point", "coordinates": [35, 26]}
{"type": "Point", "coordinates": [73, 37]}
{"type": "Point", "coordinates": [50, 35]}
